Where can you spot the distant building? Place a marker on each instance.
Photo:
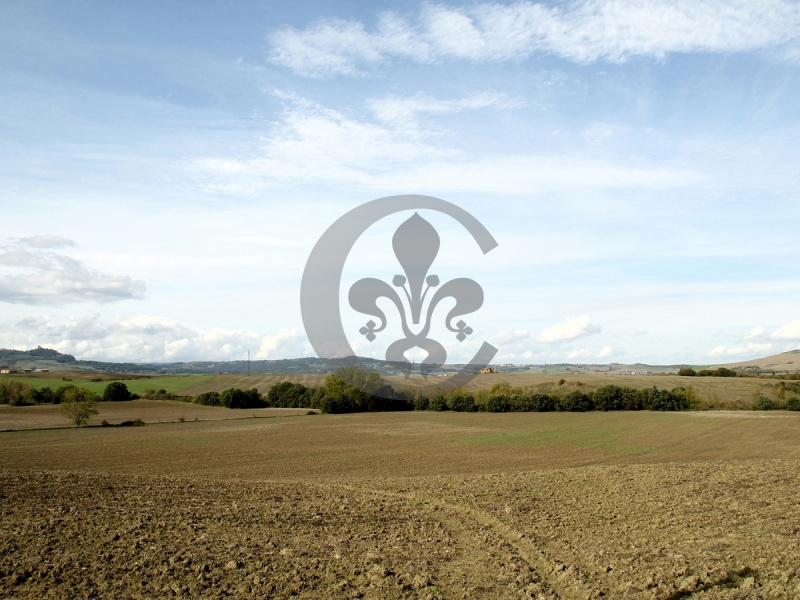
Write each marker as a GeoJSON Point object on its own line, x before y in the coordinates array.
{"type": "Point", "coordinates": [6, 370]}
{"type": "Point", "coordinates": [487, 370]}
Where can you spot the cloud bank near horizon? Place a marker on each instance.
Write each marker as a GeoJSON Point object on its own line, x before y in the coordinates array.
{"type": "Point", "coordinates": [30, 273]}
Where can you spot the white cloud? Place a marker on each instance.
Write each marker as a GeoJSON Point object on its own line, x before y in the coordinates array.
{"type": "Point", "coordinates": [47, 241]}
{"type": "Point", "coordinates": [576, 354]}
{"type": "Point", "coordinates": [38, 277]}
{"type": "Point", "coordinates": [755, 333]}
{"type": "Point", "coordinates": [146, 338]}
{"type": "Point", "coordinates": [505, 338]}
{"type": "Point", "coordinates": [583, 31]}
{"type": "Point", "coordinates": [752, 349]}
{"type": "Point", "coordinates": [605, 352]}
{"type": "Point", "coordinates": [789, 331]}
{"type": "Point", "coordinates": [569, 329]}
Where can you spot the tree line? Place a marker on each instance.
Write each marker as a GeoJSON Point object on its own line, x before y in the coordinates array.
{"type": "Point", "coordinates": [352, 389]}
{"type": "Point", "coordinates": [718, 372]}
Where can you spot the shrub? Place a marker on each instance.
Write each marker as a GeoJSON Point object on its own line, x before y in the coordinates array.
{"type": "Point", "coordinates": [793, 404]}
{"type": "Point", "coordinates": [421, 403]}
{"type": "Point", "coordinates": [369, 382]}
{"type": "Point", "coordinates": [498, 404]}
{"type": "Point", "coordinates": [656, 399]}
{"type": "Point", "coordinates": [437, 403]}
{"type": "Point", "coordinates": [720, 372]}
{"type": "Point", "coordinates": [460, 401]}
{"type": "Point", "coordinates": [575, 401]}
{"type": "Point", "coordinates": [533, 403]}
{"type": "Point", "coordinates": [289, 395]}
{"type": "Point", "coordinates": [43, 396]}
{"type": "Point", "coordinates": [690, 399]}
{"type": "Point", "coordinates": [154, 394]}
{"type": "Point", "coordinates": [764, 403]}
{"type": "Point", "coordinates": [12, 392]}
{"type": "Point", "coordinates": [338, 396]}
{"type": "Point", "coordinates": [208, 399]}
{"type": "Point", "coordinates": [237, 398]}
{"type": "Point", "coordinates": [687, 372]}
{"type": "Point", "coordinates": [608, 397]}
{"type": "Point", "coordinates": [631, 398]}
{"type": "Point", "coordinates": [116, 391]}
{"type": "Point", "coordinates": [73, 393]}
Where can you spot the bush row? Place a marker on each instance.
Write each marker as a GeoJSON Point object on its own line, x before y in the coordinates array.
{"type": "Point", "coordinates": [719, 372]}
{"type": "Point", "coordinates": [232, 398]}
{"type": "Point", "coordinates": [17, 393]}
{"type": "Point", "coordinates": [354, 390]}
{"type": "Point", "coordinates": [605, 398]}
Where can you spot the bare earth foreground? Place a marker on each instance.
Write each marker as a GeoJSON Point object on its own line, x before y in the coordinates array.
{"type": "Point", "coordinates": [406, 505]}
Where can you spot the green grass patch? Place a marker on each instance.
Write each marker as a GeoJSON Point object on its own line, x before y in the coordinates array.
{"type": "Point", "coordinates": [174, 384]}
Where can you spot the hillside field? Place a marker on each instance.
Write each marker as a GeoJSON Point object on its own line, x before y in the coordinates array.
{"type": "Point", "coordinates": [406, 505]}
{"type": "Point", "coordinates": [714, 392]}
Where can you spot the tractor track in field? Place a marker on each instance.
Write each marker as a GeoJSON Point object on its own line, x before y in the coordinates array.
{"type": "Point", "coordinates": [555, 579]}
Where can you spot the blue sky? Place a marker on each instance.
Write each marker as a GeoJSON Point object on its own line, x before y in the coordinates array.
{"type": "Point", "coordinates": [166, 168]}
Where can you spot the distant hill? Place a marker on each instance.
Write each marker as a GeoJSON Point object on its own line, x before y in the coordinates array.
{"type": "Point", "coordinates": [785, 362]}
{"type": "Point", "coordinates": [46, 358]}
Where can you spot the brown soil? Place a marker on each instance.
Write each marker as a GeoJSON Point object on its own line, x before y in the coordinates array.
{"type": "Point", "coordinates": [425, 505]}
{"type": "Point", "coordinates": [49, 416]}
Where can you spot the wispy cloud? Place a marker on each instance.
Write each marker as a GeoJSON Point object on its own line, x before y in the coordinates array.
{"type": "Point", "coordinates": [405, 111]}
{"type": "Point", "coordinates": [582, 31]}
{"type": "Point", "coordinates": [569, 329]}
{"type": "Point", "coordinates": [318, 145]}
{"type": "Point", "coordinates": [33, 275]}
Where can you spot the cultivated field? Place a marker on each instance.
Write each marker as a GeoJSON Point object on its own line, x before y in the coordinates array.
{"type": "Point", "coordinates": [182, 385]}
{"type": "Point", "coordinates": [49, 416]}
{"type": "Point", "coordinates": [407, 505]}
{"type": "Point", "coordinates": [714, 392]}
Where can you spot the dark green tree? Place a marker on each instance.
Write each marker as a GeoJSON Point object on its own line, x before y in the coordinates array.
{"type": "Point", "coordinates": [116, 391]}
{"type": "Point", "coordinates": [208, 399]}
{"type": "Point", "coordinates": [237, 398]}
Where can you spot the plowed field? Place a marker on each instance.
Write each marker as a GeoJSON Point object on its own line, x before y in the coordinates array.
{"type": "Point", "coordinates": [412, 505]}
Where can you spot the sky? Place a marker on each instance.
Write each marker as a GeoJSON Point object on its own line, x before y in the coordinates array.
{"type": "Point", "coordinates": [167, 167]}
